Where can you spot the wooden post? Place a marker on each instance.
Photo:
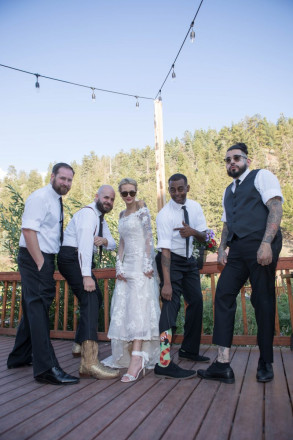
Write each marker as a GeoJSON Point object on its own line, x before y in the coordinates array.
{"type": "Point", "coordinates": [159, 150]}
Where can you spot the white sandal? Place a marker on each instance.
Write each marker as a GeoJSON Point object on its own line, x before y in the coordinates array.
{"type": "Point", "coordinates": [145, 358]}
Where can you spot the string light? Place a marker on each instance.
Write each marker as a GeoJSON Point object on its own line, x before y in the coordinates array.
{"type": "Point", "coordinates": [173, 73]}
{"type": "Point", "coordinates": [192, 33]}
{"type": "Point", "coordinates": [93, 94]}
{"type": "Point", "coordinates": [173, 64]}
{"type": "Point", "coordinates": [37, 84]}
{"type": "Point", "coordinates": [158, 96]}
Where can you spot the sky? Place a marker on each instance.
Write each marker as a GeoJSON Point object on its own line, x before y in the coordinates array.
{"type": "Point", "coordinates": [239, 65]}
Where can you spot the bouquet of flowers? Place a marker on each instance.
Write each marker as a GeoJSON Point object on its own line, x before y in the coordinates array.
{"type": "Point", "coordinates": [209, 244]}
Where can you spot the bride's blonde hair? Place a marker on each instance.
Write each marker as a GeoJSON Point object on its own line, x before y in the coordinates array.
{"type": "Point", "coordinates": [127, 181]}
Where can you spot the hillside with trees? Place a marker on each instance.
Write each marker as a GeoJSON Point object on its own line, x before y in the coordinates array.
{"type": "Point", "coordinates": [198, 155]}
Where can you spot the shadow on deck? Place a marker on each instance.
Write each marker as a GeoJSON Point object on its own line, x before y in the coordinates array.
{"type": "Point", "coordinates": [150, 408]}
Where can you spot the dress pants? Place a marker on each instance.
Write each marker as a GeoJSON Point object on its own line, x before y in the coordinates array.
{"type": "Point", "coordinates": [32, 342]}
{"type": "Point", "coordinates": [242, 265]}
{"type": "Point", "coordinates": [89, 302]}
{"type": "Point", "coordinates": [185, 280]}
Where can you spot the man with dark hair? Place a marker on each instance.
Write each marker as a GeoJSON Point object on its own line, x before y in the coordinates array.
{"type": "Point", "coordinates": [40, 239]}
{"type": "Point", "coordinates": [252, 215]}
{"type": "Point", "coordinates": [86, 233]}
{"type": "Point", "coordinates": [177, 223]}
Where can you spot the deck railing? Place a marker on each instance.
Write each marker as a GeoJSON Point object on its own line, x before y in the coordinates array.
{"type": "Point", "coordinates": [64, 310]}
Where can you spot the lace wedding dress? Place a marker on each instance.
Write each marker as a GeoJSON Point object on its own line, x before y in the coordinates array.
{"type": "Point", "coordinates": [135, 309]}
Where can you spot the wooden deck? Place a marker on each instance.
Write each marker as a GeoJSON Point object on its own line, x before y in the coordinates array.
{"type": "Point", "coordinates": [150, 408]}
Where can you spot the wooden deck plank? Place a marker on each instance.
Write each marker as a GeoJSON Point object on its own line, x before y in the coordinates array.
{"type": "Point", "coordinates": [278, 404]}
{"type": "Point", "coordinates": [220, 414]}
{"type": "Point", "coordinates": [157, 404]}
{"type": "Point", "coordinates": [96, 414]}
{"type": "Point", "coordinates": [151, 407]}
{"type": "Point", "coordinates": [249, 413]}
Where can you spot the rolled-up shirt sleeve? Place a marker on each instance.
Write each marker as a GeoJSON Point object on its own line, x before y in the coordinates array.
{"type": "Point", "coordinates": [85, 228]}
{"type": "Point", "coordinates": [268, 185]}
{"type": "Point", "coordinates": [164, 232]}
{"type": "Point", "coordinates": [34, 214]}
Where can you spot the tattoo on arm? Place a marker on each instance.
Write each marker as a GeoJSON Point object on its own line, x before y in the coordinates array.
{"type": "Point", "coordinates": [166, 262]}
{"type": "Point", "coordinates": [274, 206]}
{"type": "Point", "coordinates": [224, 236]}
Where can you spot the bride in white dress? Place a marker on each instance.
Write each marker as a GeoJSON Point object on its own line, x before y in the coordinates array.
{"type": "Point", "coordinates": [135, 309]}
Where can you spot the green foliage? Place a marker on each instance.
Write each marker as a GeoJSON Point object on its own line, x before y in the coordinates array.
{"type": "Point", "coordinates": [10, 221]}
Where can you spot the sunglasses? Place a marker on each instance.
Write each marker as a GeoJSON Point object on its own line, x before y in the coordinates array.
{"type": "Point", "coordinates": [236, 158]}
{"type": "Point", "coordinates": [131, 193]}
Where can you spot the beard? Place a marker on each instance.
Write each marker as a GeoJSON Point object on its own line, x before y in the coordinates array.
{"type": "Point", "coordinates": [61, 190]}
{"type": "Point", "coordinates": [102, 208]}
{"type": "Point", "coordinates": [236, 172]}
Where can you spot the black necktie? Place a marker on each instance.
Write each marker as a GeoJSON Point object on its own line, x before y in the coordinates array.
{"type": "Point", "coordinates": [186, 219]}
{"type": "Point", "coordinates": [237, 181]}
{"type": "Point", "coordinates": [61, 220]}
{"type": "Point", "coordinates": [100, 234]}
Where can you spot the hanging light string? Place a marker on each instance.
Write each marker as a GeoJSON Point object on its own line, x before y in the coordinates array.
{"type": "Point", "coordinates": [137, 97]}
{"type": "Point", "coordinates": [173, 64]}
{"type": "Point", "coordinates": [38, 75]}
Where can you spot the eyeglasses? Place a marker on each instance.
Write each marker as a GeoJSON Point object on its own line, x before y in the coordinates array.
{"type": "Point", "coordinates": [236, 158]}
{"type": "Point", "coordinates": [131, 193]}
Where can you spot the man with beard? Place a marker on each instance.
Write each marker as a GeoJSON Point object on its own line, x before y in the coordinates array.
{"type": "Point", "coordinates": [87, 231]}
{"type": "Point", "coordinates": [252, 215]}
{"type": "Point", "coordinates": [41, 236]}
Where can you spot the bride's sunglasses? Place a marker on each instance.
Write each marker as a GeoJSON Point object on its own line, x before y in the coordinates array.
{"type": "Point", "coordinates": [131, 193]}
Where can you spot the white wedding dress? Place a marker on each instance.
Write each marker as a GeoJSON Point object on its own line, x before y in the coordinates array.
{"type": "Point", "coordinates": [135, 309]}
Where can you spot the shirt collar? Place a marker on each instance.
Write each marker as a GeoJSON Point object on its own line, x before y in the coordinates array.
{"type": "Point", "coordinates": [177, 206]}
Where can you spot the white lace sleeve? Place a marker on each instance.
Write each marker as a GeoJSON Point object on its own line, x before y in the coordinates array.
{"type": "Point", "coordinates": [119, 258]}
{"type": "Point", "coordinates": [145, 218]}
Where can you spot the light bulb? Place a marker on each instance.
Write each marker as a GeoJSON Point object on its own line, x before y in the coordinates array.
{"type": "Point", "coordinates": [93, 95]}
{"type": "Point", "coordinates": [173, 73]}
{"type": "Point", "coordinates": [192, 35]}
{"type": "Point", "coordinates": [37, 84]}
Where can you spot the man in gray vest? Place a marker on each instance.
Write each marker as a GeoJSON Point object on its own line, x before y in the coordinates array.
{"type": "Point", "coordinates": [252, 215]}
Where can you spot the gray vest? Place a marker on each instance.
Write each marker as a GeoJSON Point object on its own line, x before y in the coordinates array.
{"type": "Point", "coordinates": [245, 210]}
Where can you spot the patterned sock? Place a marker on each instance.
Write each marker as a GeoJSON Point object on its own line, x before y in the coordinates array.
{"type": "Point", "coordinates": [165, 345]}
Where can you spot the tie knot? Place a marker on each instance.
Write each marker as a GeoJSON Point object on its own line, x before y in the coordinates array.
{"type": "Point", "coordinates": [237, 182]}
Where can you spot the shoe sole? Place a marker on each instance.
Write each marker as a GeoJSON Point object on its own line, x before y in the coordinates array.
{"type": "Point", "coordinates": [192, 360]}
{"type": "Point", "coordinates": [56, 383]}
{"type": "Point", "coordinates": [163, 376]}
{"type": "Point", "coordinates": [264, 380]}
{"type": "Point", "coordinates": [219, 379]}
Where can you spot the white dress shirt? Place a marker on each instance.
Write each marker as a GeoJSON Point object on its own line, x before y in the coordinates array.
{"type": "Point", "coordinates": [80, 233]}
{"type": "Point", "coordinates": [42, 213]}
{"type": "Point", "coordinates": [170, 217]}
{"type": "Point", "coordinates": [265, 182]}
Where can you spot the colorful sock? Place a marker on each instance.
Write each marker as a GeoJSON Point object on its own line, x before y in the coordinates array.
{"type": "Point", "coordinates": [165, 345]}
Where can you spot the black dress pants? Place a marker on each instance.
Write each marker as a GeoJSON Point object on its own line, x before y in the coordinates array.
{"type": "Point", "coordinates": [89, 302]}
{"type": "Point", "coordinates": [32, 342]}
{"type": "Point", "coordinates": [242, 265]}
{"type": "Point", "coordinates": [185, 281]}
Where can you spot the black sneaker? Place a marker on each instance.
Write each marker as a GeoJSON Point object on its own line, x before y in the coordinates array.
{"type": "Point", "coordinates": [182, 354]}
{"type": "Point", "coordinates": [173, 371]}
{"type": "Point", "coordinates": [218, 371]}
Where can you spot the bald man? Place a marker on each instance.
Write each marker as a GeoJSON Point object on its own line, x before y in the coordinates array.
{"type": "Point", "coordinates": [86, 233]}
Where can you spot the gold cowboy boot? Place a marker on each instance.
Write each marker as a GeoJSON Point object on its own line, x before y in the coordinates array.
{"type": "Point", "coordinates": [76, 350]}
{"type": "Point", "coordinates": [90, 365]}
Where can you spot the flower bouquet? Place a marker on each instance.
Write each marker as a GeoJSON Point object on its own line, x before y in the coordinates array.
{"type": "Point", "coordinates": [202, 247]}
